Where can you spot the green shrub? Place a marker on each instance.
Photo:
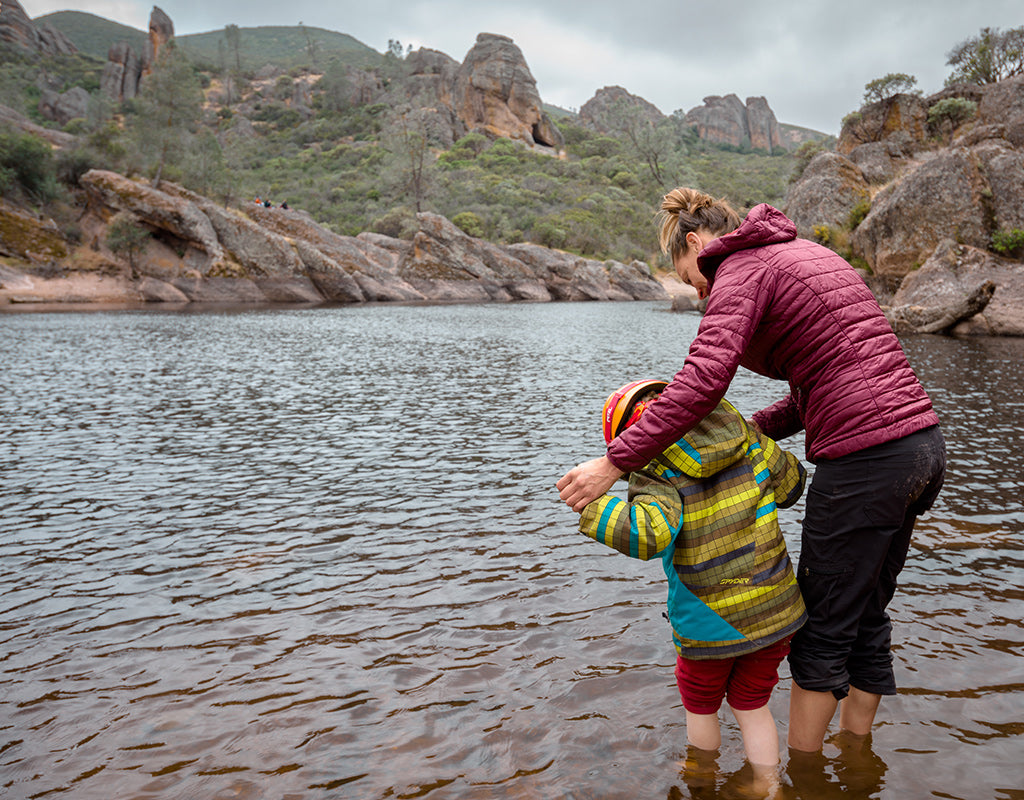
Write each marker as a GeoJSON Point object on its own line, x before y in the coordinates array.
{"type": "Point", "coordinates": [1009, 242]}
{"type": "Point", "coordinates": [858, 213]}
{"type": "Point", "coordinates": [27, 165]}
{"type": "Point", "coordinates": [470, 224]}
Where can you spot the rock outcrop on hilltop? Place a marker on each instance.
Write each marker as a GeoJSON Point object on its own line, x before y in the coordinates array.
{"type": "Point", "coordinates": [198, 252]}
{"type": "Point", "coordinates": [726, 120]}
{"type": "Point", "coordinates": [931, 206]}
{"type": "Point", "coordinates": [492, 91]}
{"type": "Point", "coordinates": [125, 69]}
{"type": "Point", "coordinates": [495, 92]}
{"type": "Point", "coordinates": [604, 111]}
{"type": "Point", "coordinates": [18, 30]}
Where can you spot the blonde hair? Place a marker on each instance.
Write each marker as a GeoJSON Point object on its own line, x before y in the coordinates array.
{"type": "Point", "coordinates": [686, 210]}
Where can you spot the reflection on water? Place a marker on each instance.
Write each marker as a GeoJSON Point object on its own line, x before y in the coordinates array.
{"type": "Point", "coordinates": [318, 553]}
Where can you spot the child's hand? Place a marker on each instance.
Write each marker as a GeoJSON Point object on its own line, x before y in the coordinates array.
{"type": "Point", "coordinates": [586, 482]}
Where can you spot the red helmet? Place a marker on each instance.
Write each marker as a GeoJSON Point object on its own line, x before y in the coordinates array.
{"type": "Point", "coordinates": [621, 409]}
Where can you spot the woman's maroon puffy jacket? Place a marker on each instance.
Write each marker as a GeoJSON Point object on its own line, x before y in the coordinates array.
{"type": "Point", "coordinates": [793, 310]}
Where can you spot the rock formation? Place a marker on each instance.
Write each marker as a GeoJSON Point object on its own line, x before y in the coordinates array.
{"type": "Point", "coordinates": [726, 120]}
{"type": "Point", "coordinates": [827, 192]}
{"type": "Point", "coordinates": [66, 106]}
{"type": "Point", "coordinates": [121, 73]}
{"type": "Point", "coordinates": [495, 93]}
{"type": "Point", "coordinates": [933, 209]}
{"type": "Point", "coordinates": [18, 30]}
{"type": "Point", "coordinates": [965, 193]}
{"type": "Point", "coordinates": [603, 112]}
{"type": "Point", "coordinates": [198, 251]}
{"type": "Point", "coordinates": [125, 69]}
{"type": "Point", "coordinates": [962, 290]}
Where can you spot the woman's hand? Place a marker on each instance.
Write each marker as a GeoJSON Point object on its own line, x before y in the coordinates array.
{"type": "Point", "coordinates": [586, 482]}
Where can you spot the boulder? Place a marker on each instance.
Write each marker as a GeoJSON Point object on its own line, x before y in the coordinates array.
{"type": "Point", "coordinates": [18, 31]}
{"type": "Point", "coordinates": [902, 119]}
{"type": "Point", "coordinates": [30, 238]}
{"type": "Point", "coordinates": [495, 93]}
{"type": "Point", "coordinates": [951, 277]}
{"type": "Point", "coordinates": [941, 198]}
{"type": "Point", "coordinates": [66, 106]}
{"type": "Point", "coordinates": [1003, 104]}
{"type": "Point", "coordinates": [176, 216]}
{"type": "Point", "coordinates": [877, 161]}
{"type": "Point", "coordinates": [8, 116]}
{"type": "Point", "coordinates": [121, 73]}
{"type": "Point", "coordinates": [962, 193]}
{"type": "Point", "coordinates": [826, 193]}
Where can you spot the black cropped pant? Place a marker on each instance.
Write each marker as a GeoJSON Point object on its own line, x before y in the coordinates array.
{"type": "Point", "coordinates": [860, 515]}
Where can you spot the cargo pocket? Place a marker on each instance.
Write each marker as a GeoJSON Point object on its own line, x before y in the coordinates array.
{"type": "Point", "coordinates": [822, 586]}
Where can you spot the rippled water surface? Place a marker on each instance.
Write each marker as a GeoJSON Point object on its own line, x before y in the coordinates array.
{"type": "Point", "coordinates": [318, 553]}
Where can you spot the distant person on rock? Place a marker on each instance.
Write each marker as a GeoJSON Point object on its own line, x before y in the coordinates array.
{"type": "Point", "coordinates": [707, 506]}
{"type": "Point", "coordinates": [793, 310]}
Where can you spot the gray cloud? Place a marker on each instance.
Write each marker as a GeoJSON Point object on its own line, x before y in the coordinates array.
{"type": "Point", "coordinates": [809, 58]}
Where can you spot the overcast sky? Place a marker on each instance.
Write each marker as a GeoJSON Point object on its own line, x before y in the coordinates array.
{"type": "Point", "coordinates": [809, 58]}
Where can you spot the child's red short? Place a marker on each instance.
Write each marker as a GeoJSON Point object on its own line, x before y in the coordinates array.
{"type": "Point", "coordinates": [747, 681]}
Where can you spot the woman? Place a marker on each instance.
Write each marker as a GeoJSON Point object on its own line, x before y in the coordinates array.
{"type": "Point", "coordinates": [794, 310]}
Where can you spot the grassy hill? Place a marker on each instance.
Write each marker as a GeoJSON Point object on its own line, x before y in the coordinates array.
{"type": "Point", "coordinates": [283, 46]}
{"type": "Point", "coordinates": [94, 35]}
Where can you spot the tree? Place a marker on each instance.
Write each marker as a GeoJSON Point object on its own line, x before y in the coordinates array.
{"type": "Point", "coordinates": [170, 103]}
{"type": "Point", "coordinates": [126, 237]}
{"type": "Point", "coordinates": [951, 112]}
{"type": "Point", "coordinates": [407, 141]}
{"type": "Point", "coordinates": [234, 40]}
{"type": "Point", "coordinates": [205, 170]}
{"type": "Point", "coordinates": [888, 86]}
{"type": "Point", "coordinates": [989, 57]}
{"type": "Point", "coordinates": [311, 43]}
{"type": "Point", "coordinates": [650, 140]}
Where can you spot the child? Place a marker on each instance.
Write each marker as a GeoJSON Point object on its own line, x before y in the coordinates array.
{"type": "Point", "coordinates": [707, 506]}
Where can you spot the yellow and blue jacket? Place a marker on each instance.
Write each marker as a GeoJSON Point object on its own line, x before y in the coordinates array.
{"type": "Point", "coordinates": [707, 506]}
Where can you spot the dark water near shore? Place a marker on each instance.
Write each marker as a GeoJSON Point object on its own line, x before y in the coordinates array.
{"type": "Point", "coordinates": [318, 553]}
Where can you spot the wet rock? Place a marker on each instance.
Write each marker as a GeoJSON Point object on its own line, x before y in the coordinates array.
{"type": "Point", "coordinates": [953, 273]}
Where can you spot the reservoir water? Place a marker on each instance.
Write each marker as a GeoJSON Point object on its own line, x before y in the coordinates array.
{"type": "Point", "coordinates": [318, 553]}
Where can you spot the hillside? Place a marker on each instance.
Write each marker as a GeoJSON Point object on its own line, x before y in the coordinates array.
{"type": "Point", "coordinates": [363, 141]}
{"type": "Point", "coordinates": [93, 35]}
{"type": "Point", "coordinates": [281, 46]}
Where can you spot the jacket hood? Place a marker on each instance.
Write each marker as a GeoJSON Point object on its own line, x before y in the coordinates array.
{"type": "Point", "coordinates": [716, 443]}
{"type": "Point", "coordinates": [763, 225]}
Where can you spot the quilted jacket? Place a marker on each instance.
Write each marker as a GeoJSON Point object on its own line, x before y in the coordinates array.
{"type": "Point", "coordinates": [789, 309]}
{"type": "Point", "coordinates": [707, 506]}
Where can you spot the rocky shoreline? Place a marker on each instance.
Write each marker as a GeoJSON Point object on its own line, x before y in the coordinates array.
{"type": "Point", "coordinates": [195, 251]}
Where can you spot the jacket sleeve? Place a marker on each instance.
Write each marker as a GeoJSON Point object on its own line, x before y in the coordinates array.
{"type": "Point", "coordinates": [787, 474]}
{"type": "Point", "coordinates": [643, 526]}
{"type": "Point", "coordinates": [741, 293]}
{"type": "Point", "coordinates": [780, 420]}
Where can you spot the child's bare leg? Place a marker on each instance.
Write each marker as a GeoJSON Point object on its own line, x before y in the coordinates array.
{"type": "Point", "coordinates": [702, 731]}
{"type": "Point", "coordinates": [857, 711]}
{"type": "Point", "coordinates": [760, 736]}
